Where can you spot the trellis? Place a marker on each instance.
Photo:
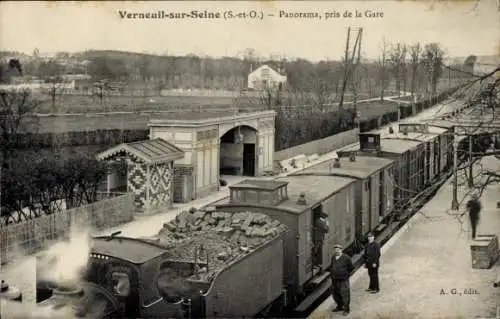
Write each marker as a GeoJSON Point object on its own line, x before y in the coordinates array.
{"type": "Point", "coordinates": [150, 170]}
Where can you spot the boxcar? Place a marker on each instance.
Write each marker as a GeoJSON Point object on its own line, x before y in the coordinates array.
{"type": "Point", "coordinates": [295, 201]}
{"type": "Point", "coordinates": [438, 145]}
{"type": "Point", "coordinates": [408, 159]}
{"type": "Point", "coordinates": [374, 191]}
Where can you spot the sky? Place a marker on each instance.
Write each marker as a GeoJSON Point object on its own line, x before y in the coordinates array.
{"type": "Point", "coordinates": [461, 27]}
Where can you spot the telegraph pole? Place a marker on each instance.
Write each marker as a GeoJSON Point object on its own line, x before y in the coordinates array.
{"type": "Point", "coordinates": [350, 68]}
{"type": "Point", "coordinates": [356, 69]}
{"type": "Point", "coordinates": [346, 61]}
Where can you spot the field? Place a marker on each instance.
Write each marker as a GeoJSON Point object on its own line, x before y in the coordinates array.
{"type": "Point", "coordinates": [139, 120]}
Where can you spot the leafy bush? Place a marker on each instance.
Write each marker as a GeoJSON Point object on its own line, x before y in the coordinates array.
{"type": "Point", "coordinates": [33, 183]}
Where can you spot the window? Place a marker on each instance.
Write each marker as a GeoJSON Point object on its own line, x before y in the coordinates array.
{"type": "Point", "coordinates": [371, 139]}
{"type": "Point", "coordinates": [121, 284]}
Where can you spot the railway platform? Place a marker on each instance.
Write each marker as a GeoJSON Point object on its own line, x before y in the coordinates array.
{"type": "Point", "coordinates": [426, 268]}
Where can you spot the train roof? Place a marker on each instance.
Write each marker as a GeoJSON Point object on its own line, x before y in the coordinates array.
{"type": "Point", "coordinates": [315, 187]}
{"type": "Point", "coordinates": [397, 145]}
{"type": "Point", "coordinates": [136, 251]}
{"type": "Point", "coordinates": [268, 185]}
{"type": "Point", "coordinates": [411, 136]}
{"type": "Point", "coordinates": [363, 167]}
{"type": "Point", "coordinates": [389, 145]}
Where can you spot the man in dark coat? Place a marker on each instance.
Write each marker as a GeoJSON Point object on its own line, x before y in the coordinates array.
{"type": "Point", "coordinates": [371, 259]}
{"type": "Point", "coordinates": [321, 227]}
{"type": "Point", "coordinates": [340, 271]}
{"type": "Point", "coordinates": [474, 207]}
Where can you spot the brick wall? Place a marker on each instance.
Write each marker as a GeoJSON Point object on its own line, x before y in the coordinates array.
{"type": "Point", "coordinates": [32, 235]}
{"type": "Point", "coordinates": [179, 172]}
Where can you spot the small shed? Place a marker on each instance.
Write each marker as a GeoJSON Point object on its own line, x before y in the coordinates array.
{"type": "Point", "coordinates": [150, 170]}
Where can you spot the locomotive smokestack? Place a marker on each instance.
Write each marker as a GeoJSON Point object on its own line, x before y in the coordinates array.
{"type": "Point", "coordinates": [302, 199]}
{"type": "Point", "coordinates": [336, 163]}
{"type": "Point", "coordinates": [352, 157]}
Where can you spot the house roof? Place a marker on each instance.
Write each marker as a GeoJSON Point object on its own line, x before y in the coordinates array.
{"type": "Point", "coordinates": [154, 151]}
{"type": "Point", "coordinates": [266, 67]}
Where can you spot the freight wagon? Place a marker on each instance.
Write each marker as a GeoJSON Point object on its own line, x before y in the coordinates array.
{"type": "Point", "coordinates": [297, 201]}
{"type": "Point", "coordinates": [438, 147]}
{"type": "Point", "coordinates": [374, 188]}
{"type": "Point", "coordinates": [408, 159]}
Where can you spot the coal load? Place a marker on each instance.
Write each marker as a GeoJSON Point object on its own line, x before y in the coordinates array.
{"type": "Point", "coordinates": [214, 239]}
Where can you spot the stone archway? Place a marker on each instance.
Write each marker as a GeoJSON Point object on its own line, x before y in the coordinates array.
{"type": "Point", "coordinates": [239, 151]}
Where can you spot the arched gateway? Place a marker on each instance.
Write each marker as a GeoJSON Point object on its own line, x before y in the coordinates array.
{"type": "Point", "coordinates": [214, 143]}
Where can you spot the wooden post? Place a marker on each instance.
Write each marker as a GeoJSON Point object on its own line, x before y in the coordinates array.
{"type": "Point", "coordinates": [471, 170]}
{"type": "Point", "coordinates": [454, 202]}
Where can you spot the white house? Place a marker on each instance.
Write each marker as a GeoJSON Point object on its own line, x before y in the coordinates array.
{"type": "Point", "coordinates": [265, 77]}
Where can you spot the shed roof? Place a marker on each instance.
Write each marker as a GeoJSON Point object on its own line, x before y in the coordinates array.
{"type": "Point", "coordinates": [316, 189]}
{"type": "Point", "coordinates": [133, 250]}
{"type": "Point", "coordinates": [363, 167]}
{"type": "Point", "coordinates": [268, 185]}
{"type": "Point", "coordinates": [149, 151]}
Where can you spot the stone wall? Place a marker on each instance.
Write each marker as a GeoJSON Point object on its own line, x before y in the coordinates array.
{"type": "Point", "coordinates": [321, 146]}
{"type": "Point", "coordinates": [32, 235]}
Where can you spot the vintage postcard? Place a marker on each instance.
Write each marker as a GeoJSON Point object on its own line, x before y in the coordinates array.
{"type": "Point", "coordinates": [235, 159]}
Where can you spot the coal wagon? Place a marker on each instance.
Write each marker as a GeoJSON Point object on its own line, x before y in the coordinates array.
{"type": "Point", "coordinates": [201, 265]}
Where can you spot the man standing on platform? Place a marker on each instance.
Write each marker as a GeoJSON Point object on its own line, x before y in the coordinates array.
{"type": "Point", "coordinates": [371, 259]}
{"type": "Point", "coordinates": [340, 271]}
{"type": "Point", "coordinates": [474, 207]}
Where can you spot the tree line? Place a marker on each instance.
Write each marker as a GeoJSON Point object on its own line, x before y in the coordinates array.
{"type": "Point", "coordinates": [417, 67]}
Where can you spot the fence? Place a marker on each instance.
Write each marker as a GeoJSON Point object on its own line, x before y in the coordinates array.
{"type": "Point", "coordinates": [30, 236]}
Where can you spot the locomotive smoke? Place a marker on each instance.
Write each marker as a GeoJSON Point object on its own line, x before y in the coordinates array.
{"type": "Point", "coordinates": [62, 264]}
{"type": "Point", "coordinates": [67, 260]}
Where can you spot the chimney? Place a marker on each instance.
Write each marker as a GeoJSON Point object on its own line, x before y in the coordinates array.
{"type": "Point", "coordinates": [336, 163]}
{"type": "Point", "coordinates": [302, 199]}
{"type": "Point", "coordinates": [352, 157]}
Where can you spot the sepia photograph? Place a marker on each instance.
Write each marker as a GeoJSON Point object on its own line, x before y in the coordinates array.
{"type": "Point", "coordinates": [250, 159]}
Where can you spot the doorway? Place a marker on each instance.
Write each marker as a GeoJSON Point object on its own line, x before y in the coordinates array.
{"type": "Point", "coordinates": [248, 159]}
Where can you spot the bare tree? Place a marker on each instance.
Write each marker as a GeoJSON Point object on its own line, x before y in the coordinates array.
{"type": "Point", "coordinates": [16, 108]}
{"type": "Point", "coordinates": [432, 59]}
{"type": "Point", "coordinates": [383, 69]}
{"type": "Point", "coordinates": [397, 57]}
{"type": "Point", "coordinates": [415, 51]}
{"type": "Point", "coordinates": [52, 74]}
